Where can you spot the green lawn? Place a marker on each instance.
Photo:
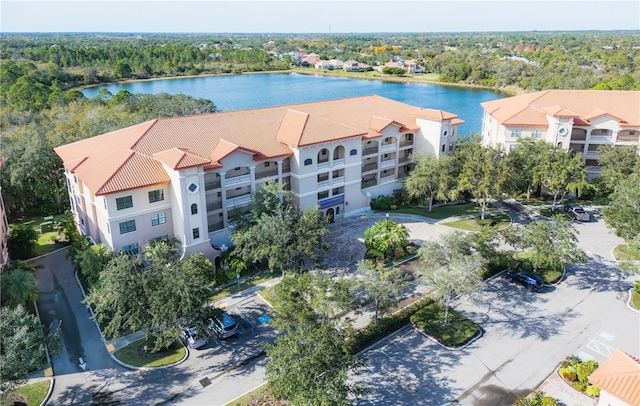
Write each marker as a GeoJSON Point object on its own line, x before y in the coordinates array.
{"type": "Point", "coordinates": [463, 209]}
{"type": "Point", "coordinates": [550, 276]}
{"type": "Point", "coordinates": [457, 332]}
{"type": "Point", "coordinates": [132, 354]}
{"type": "Point", "coordinates": [635, 299]}
{"type": "Point", "coordinates": [501, 221]}
{"type": "Point", "coordinates": [622, 252]}
{"type": "Point", "coordinates": [33, 392]}
{"type": "Point", "coordinates": [228, 291]}
{"type": "Point", "coordinates": [45, 243]}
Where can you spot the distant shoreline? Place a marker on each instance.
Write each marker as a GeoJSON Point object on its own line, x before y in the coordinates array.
{"type": "Point", "coordinates": [321, 72]}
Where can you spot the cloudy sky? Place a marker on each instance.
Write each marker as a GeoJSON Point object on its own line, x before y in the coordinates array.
{"type": "Point", "coordinates": [306, 16]}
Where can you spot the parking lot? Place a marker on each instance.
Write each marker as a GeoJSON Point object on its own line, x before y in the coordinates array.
{"type": "Point", "coordinates": [526, 335]}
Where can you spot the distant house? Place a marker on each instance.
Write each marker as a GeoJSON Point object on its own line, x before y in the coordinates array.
{"type": "Point", "coordinates": [335, 64]}
{"type": "Point", "coordinates": [351, 65]}
{"type": "Point", "coordinates": [391, 64]}
{"type": "Point", "coordinates": [618, 379]}
{"type": "Point", "coordinates": [412, 67]}
{"type": "Point", "coordinates": [311, 59]}
{"type": "Point", "coordinates": [322, 65]}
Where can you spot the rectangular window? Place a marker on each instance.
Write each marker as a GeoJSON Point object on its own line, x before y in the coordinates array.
{"type": "Point", "coordinates": [127, 227]}
{"type": "Point", "coordinates": [323, 195]}
{"type": "Point", "coordinates": [536, 134]}
{"type": "Point", "coordinates": [108, 229]}
{"type": "Point", "coordinates": [158, 219]}
{"type": "Point", "coordinates": [130, 249]}
{"type": "Point", "coordinates": [516, 133]}
{"type": "Point", "coordinates": [196, 233]}
{"type": "Point", "coordinates": [124, 202]}
{"type": "Point", "coordinates": [156, 196]}
{"type": "Point", "coordinates": [512, 147]}
{"type": "Point", "coordinates": [267, 164]}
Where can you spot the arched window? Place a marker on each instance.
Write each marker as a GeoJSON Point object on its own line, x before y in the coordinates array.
{"type": "Point", "coordinates": [194, 209]}
{"type": "Point", "coordinates": [353, 152]}
{"type": "Point", "coordinates": [308, 161]}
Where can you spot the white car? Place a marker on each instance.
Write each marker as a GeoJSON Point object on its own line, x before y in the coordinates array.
{"type": "Point", "coordinates": [194, 339]}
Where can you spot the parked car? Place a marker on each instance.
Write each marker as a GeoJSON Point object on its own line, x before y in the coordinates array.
{"type": "Point", "coordinates": [577, 213]}
{"type": "Point", "coordinates": [193, 338]}
{"type": "Point", "coordinates": [529, 280]}
{"type": "Point", "coordinates": [223, 324]}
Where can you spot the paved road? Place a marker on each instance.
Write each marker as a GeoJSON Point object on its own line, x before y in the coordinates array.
{"type": "Point", "coordinates": [526, 336]}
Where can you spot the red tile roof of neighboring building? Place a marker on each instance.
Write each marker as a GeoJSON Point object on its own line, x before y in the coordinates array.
{"type": "Point", "coordinates": [582, 105]}
{"type": "Point", "coordinates": [619, 375]}
{"type": "Point", "coordinates": [131, 157]}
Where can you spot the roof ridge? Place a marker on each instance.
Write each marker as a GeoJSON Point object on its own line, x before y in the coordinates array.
{"type": "Point", "coordinates": [117, 171]}
{"type": "Point", "coordinates": [152, 123]}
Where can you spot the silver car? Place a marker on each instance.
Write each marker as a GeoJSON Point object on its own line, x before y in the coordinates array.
{"type": "Point", "coordinates": [223, 324]}
{"type": "Point", "coordinates": [194, 339]}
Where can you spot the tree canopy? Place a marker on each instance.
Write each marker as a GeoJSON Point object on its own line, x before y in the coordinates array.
{"type": "Point", "coordinates": [431, 177]}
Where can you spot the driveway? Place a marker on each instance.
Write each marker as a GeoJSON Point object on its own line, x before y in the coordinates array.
{"type": "Point", "coordinates": [526, 335]}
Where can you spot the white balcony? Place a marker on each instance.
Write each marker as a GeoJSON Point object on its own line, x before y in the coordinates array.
{"type": "Point", "coordinates": [237, 180]}
{"type": "Point", "coordinates": [591, 155]}
{"type": "Point", "coordinates": [338, 162]}
{"type": "Point", "coordinates": [238, 201]}
{"type": "Point", "coordinates": [323, 165]}
{"type": "Point", "coordinates": [388, 164]}
{"type": "Point", "coordinates": [323, 183]}
{"type": "Point", "coordinates": [387, 179]}
{"type": "Point", "coordinates": [388, 148]}
{"type": "Point", "coordinates": [339, 179]}
{"type": "Point", "coordinates": [600, 139]}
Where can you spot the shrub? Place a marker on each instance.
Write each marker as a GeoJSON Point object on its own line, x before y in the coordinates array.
{"type": "Point", "coordinates": [570, 360]}
{"type": "Point", "coordinates": [579, 386]}
{"type": "Point", "coordinates": [567, 374]}
{"type": "Point", "coordinates": [593, 391]}
{"type": "Point", "coordinates": [584, 369]}
{"type": "Point", "coordinates": [521, 401]}
{"type": "Point", "coordinates": [381, 203]}
{"type": "Point", "coordinates": [398, 253]}
{"type": "Point", "coordinates": [393, 207]}
{"type": "Point", "coordinates": [636, 286]}
{"type": "Point", "coordinates": [548, 401]}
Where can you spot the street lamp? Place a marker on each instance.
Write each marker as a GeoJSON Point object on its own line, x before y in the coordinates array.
{"type": "Point", "coordinates": [387, 222]}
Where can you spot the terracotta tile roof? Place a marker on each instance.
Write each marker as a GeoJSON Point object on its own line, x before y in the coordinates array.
{"type": "Point", "coordinates": [180, 158]}
{"type": "Point", "coordinates": [584, 105]}
{"type": "Point", "coordinates": [130, 157]}
{"type": "Point", "coordinates": [619, 375]}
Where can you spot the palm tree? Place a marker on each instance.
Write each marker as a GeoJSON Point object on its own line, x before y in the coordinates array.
{"type": "Point", "coordinates": [19, 286]}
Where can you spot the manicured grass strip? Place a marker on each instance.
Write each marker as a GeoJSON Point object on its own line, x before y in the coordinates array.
{"type": "Point", "coordinates": [259, 396]}
{"type": "Point", "coordinates": [268, 295]}
{"type": "Point", "coordinates": [33, 392]}
{"type": "Point", "coordinates": [44, 244]}
{"type": "Point", "coordinates": [499, 221]}
{"type": "Point", "coordinates": [622, 252]}
{"type": "Point", "coordinates": [233, 289]}
{"type": "Point", "coordinates": [463, 209]}
{"type": "Point", "coordinates": [635, 299]}
{"type": "Point", "coordinates": [456, 333]}
{"type": "Point", "coordinates": [133, 354]}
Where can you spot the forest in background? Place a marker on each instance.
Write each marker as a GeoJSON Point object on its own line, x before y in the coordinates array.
{"type": "Point", "coordinates": [42, 107]}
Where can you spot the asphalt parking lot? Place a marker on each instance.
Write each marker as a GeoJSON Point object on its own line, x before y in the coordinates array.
{"type": "Point", "coordinates": [526, 336]}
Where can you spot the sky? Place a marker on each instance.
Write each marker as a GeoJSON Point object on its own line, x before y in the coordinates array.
{"type": "Point", "coordinates": [316, 16]}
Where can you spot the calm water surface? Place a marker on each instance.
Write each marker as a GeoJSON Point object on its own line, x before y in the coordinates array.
{"type": "Point", "coordinates": [240, 92]}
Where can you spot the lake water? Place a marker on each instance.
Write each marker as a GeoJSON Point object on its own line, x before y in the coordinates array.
{"type": "Point", "coordinates": [240, 92]}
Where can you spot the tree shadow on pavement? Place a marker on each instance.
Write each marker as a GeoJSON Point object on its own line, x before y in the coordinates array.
{"type": "Point", "coordinates": [599, 276]}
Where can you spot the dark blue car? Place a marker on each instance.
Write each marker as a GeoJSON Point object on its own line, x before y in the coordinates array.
{"type": "Point", "coordinates": [531, 281]}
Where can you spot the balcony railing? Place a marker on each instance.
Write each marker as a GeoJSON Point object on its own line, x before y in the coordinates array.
{"type": "Point", "coordinates": [404, 144]}
{"type": "Point", "coordinates": [601, 138]}
{"type": "Point", "coordinates": [627, 138]}
{"type": "Point", "coordinates": [339, 179]}
{"type": "Point", "coordinates": [236, 180]}
{"type": "Point", "coordinates": [337, 162]}
{"type": "Point", "coordinates": [388, 148]}
{"type": "Point", "coordinates": [388, 164]}
{"type": "Point", "coordinates": [323, 165]}
{"type": "Point", "coordinates": [591, 155]}
{"type": "Point", "coordinates": [369, 183]}
{"type": "Point", "coordinates": [323, 183]}
{"type": "Point", "coordinates": [404, 158]}
{"type": "Point", "coordinates": [387, 179]}
{"type": "Point", "coordinates": [370, 151]}
{"type": "Point", "coordinates": [238, 200]}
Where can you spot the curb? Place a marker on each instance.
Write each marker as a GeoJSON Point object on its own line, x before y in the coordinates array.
{"type": "Point", "coordinates": [462, 347]}
{"type": "Point", "coordinates": [124, 364]}
{"type": "Point", "coordinates": [629, 302]}
{"type": "Point", "coordinates": [48, 253]}
{"type": "Point", "coordinates": [246, 393]}
{"type": "Point", "coordinates": [52, 383]}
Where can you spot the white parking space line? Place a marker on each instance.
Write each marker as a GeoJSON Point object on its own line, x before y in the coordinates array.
{"type": "Point", "coordinates": [600, 348]}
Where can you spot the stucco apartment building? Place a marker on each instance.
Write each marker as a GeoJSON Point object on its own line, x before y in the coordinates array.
{"type": "Point", "coordinates": [580, 120]}
{"type": "Point", "coordinates": [185, 177]}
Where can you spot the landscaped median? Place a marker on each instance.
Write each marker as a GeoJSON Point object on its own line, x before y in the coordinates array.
{"type": "Point", "coordinates": [457, 332]}
{"type": "Point", "coordinates": [134, 355]}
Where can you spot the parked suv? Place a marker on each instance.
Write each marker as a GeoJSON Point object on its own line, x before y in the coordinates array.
{"type": "Point", "coordinates": [577, 213]}
{"type": "Point", "coordinates": [531, 281]}
{"type": "Point", "coordinates": [193, 338]}
{"type": "Point", "coordinates": [223, 324]}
